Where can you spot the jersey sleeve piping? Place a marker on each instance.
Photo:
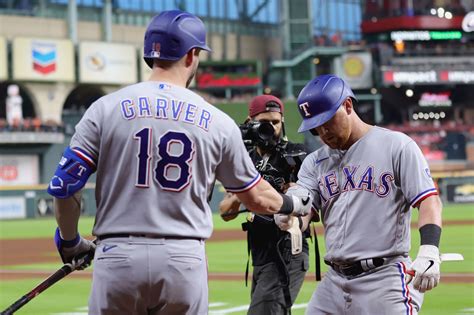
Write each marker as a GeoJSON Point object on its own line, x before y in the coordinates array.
{"type": "Point", "coordinates": [85, 156]}
{"type": "Point", "coordinates": [422, 196]}
{"type": "Point", "coordinates": [246, 187]}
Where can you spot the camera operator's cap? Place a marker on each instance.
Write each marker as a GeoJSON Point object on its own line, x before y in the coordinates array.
{"type": "Point", "coordinates": [265, 103]}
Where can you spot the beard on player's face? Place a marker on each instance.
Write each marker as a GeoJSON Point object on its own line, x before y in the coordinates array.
{"type": "Point", "coordinates": [193, 73]}
{"type": "Point", "coordinates": [194, 66]}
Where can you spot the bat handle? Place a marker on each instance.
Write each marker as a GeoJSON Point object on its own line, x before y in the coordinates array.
{"type": "Point", "coordinates": [15, 306]}
{"type": "Point", "coordinates": [411, 272]}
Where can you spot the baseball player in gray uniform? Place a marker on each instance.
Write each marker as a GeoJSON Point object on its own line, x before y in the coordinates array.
{"type": "Point", "coordinates": [364, 182]}
{"type": "Point", "coordinates": [157, 148]}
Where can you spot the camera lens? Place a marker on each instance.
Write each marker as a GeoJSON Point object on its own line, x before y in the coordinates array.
{"type": "Point", "coordinates": [266, 131]}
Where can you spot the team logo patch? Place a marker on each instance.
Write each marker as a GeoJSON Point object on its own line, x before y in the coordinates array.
{"type": "Point", "coordinates": [428, 173]}
{"type": "Point", "coordinates": [304, 107]}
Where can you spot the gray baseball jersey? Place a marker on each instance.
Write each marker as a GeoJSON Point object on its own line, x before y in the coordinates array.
{"type": "Point", "coordinates": [365, 194]}
{"type": "Point", "coordinates": [158, 149]}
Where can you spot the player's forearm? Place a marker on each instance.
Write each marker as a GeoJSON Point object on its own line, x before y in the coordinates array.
{"type": "Point", "coordinates": [430, 212]}
{"type": "Point", "coordinates": [263, 199]}
{"type": "Point", "coordinates": [67, 212]}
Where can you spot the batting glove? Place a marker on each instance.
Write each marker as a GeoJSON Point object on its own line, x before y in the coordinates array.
{"type": "Point", "coordinates": [302, 201]}
{"type": "Point", "coordinates": [76, 248]}
{"type": "Point", "coordinates": [283, 221]}
{"type": "Point", "coordinates": [426, 268]}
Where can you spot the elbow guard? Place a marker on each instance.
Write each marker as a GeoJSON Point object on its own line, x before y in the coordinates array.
{"type": "Point", "coordinates": [72, 173]}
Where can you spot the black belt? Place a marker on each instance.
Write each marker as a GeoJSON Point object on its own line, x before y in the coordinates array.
{"type": "Point", "coordinates": [356, 268]}
{"type": "Point", "coordinates": [126, 235]}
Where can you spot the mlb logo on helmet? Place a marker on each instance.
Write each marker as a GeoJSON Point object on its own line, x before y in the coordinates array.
{"type": "Point", "coordinates": [156, 50]}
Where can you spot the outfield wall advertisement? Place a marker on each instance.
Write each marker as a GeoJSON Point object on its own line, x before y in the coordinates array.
{"type": "Point", "coordinates": [107, 63]}
{"type": "Point", "coordinates": [355, 69]}
{"type": "Point", "coordinates": [3, 59]}
{"type": "Point", "coordinates": [12, 208]}
{"type": "Point", "coordinates": [19, 170]}
{"type": "Point", "coordinates": [43, 60]}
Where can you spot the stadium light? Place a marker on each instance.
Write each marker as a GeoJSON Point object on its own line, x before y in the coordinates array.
{"type": "Point", "coordinates": [440, 12]}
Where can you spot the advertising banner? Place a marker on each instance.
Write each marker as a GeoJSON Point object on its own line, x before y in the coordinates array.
{"type": "Point", "coordinates": [3, 59]}
{"type": "Point", "coordinates": [43, 60]}
{"type": "Point", "coordinates": [107, 63]}
{"type": "Point", "coordinates": [460, 193]}
{"type": "Point", "coordinates": [355, 69]}
{"type": "Point", "coordinates": [225, 74]}
{"type": "Point", "coordinates": [391, 77]}
{"type": "Point", "coordinates": [19, 170]}
{"type": "Point", "coordinates": [12, 208]}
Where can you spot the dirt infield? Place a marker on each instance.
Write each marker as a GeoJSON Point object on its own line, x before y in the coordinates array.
{"type": "Point", "coordinates": [42, 250]}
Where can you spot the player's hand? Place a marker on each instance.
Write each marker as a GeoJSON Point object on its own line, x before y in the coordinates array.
{"type": "Point", "coordinates": [302, 201]}
{"type": "Point", "coordinates": [283, 221]}
{"type": "Point", "coordinates": [426, 268]}
{"type": "Point", "coordinates": [229, 207]}
{"type": "Point", "coordinates": [68, 250]}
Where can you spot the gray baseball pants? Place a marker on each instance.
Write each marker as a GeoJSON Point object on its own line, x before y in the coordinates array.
{"type": "Point", "coordinates": [382, 290]}
{"type": "Point", "coordinates": [138, 275]}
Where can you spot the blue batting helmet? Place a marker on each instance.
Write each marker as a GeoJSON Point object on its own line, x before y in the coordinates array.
{"type": "Point", "coordinates": [171, 34]}
{"type": "Point", "coordinates": [320, 99]}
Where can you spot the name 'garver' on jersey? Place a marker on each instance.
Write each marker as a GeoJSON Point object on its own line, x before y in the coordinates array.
{"type": "Point", "coordinates": [163, 108]}
{"type": "Point", "coordinates": [354, 179]}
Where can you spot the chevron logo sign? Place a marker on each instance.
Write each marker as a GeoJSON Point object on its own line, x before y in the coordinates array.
{"type": "Point", "coordinates": [44, 57]}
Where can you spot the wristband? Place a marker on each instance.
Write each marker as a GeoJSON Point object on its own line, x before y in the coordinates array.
{"type": "Point", "coordinates": [287, 206]}
{"type": "Point", "coordinates": [430, 234]}
{"type": "Point", "coordinates": [60, 242]}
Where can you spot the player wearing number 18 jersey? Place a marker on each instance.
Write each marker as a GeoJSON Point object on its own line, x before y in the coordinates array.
{"type": "Point", "coordinates": [157, 148]}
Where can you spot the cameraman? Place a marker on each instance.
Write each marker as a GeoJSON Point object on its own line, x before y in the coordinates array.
{"type": "Point", "coordinates": [279, 265]}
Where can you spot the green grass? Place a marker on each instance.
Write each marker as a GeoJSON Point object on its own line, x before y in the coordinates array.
{"type": "Point", "coordinates": [44, 227]}
{"type": "Point", "coordinates": [67, 295]}
{"type": "Point", "coordinates": [34, 228]}
{"type": "Point", "coordinates": [70, 295]}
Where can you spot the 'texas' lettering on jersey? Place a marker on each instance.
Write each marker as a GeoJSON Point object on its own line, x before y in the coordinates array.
{"type": "Point", "coordinates": [353, 180]}
{"type": "Point", "coordinates": [162, 108]}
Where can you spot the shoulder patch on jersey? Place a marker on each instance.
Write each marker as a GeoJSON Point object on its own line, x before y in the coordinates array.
{"type": "Point", "coordinates": [428, 173]}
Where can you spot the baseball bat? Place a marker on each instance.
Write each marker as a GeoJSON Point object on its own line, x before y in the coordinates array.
{"type": "Point", "coordinates": [80, 263]}
{"type": "Point", "coordinates": [443, 257]}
